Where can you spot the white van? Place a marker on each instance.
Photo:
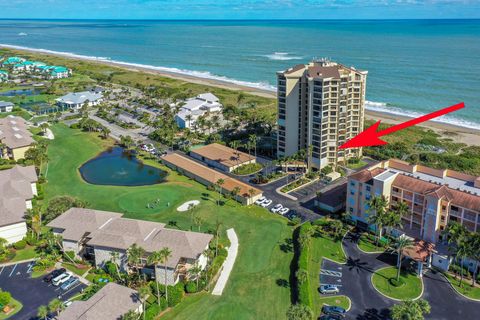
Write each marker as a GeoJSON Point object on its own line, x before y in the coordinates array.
{"type": "Point", "coordinates": [61, 278]}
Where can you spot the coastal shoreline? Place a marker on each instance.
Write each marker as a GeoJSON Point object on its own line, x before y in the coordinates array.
{"type": "Point", "coordinates": [458, 133]}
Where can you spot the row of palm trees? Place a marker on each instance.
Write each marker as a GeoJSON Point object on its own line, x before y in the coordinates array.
{"type": "Point", "coordinates": [463, 244]}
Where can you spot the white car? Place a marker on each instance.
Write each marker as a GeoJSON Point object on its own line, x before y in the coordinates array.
{"type": "Point", "coordinates": [261, 200]}
{"type": "Point", "coordinates": [283, 211]}
{"type": "Point", "coordinates": [266, 203]}
{"type": "Point", "coordinates": [61, 278]}
{"type": "Point", "coordinates": [276, 208]}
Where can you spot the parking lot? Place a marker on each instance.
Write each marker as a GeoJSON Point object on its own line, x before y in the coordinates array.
{"type": "Point", "coordinates": [32, 293]}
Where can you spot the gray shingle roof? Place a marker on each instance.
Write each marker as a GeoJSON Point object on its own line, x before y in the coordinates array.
{"type": "Point", "coordinates": [109, 303]}
{"type": "Point", "coordinates": [108, 229]}
{"type": "Point", "coordinates": [14, 132]}
{"type": "Point", "coordinates": [80, 97]}
{"type": "Point", "coordinates": [15, 190]}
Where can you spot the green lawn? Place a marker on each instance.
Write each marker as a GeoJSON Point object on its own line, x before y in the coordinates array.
{"type": "Point", "coordinates": [466, 289]}
{"type": "Point", "coordinates": [357, 165]}
{"type": "Point", "coordinates": [340, 301]}
{"type": "Point", "coordinates": [411, 289]}
{"type": "Point", "coordinates": [367, 245]}
{"type": "Point", "coordinates": [24, 254]}
{"type": "Point", "coordinates": [17, 305]}
{"type": "Point", "coordinates": [75, 269]}
{"type": "Point", "coordinates": [247, 169]}
{"type": "Point", "coordinates": [323, 247]}
{"type": "Point", "coordinates": [256, 288]}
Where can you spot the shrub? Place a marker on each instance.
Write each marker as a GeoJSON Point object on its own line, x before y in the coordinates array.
{"type": "Point", "coordinates": [154, 309]}
{"type": "Point", "coordinates": [395, 283]}
{"type": "Point", "coordinates": [70, 255]}
{"type": "Point", "coordinates": [5, 298]}
{"type": "Point", "coordinates": [191, 287]}
{"type": "Point", "coordinates": [19, 245]}
{"type": "Point", "coordinates": [111, 269]}
{"type": "Point", "coordinates": [175, 294]}
{"type": "Point", "coordinates": [59, 205]}
{"type": "Point", "coordinates": [302, 254]}
{"type": "Point", "coordinates": [31, 240]}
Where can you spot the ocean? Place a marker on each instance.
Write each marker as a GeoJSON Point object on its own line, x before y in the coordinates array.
{"type": "Point", "coordinates": [415, 66]}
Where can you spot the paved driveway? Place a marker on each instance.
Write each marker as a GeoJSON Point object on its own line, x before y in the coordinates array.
{"type": "Point", "coordinates": [32, 293]}
{"type": "Point", "coordinates": [354, 281]}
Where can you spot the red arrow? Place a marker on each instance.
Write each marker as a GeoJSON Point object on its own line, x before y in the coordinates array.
{"type": "Point", "coordinates": [370, 136]}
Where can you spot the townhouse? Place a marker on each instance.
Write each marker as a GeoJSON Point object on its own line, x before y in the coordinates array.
{"type": "Point", "coordinates": [15, 138]}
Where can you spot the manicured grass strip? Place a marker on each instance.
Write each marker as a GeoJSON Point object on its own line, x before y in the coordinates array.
{"type": "Point", "coordinates": [322, 247]}
{"type": "Point", "coordinates": [16, 305]}
{"type": "Point", "coordinates": [339, 301]}
{"type": "Point", "coordinates": [466, 289]}
{"type": "Point", "coordinates": [75, 269]}
{"type": "Point", "coordinates": [410, 289]}
{"type": "Point", "coordinates": [367, 245]}
{"type": "Point", "coordinates": [357, 165]}
{"type": "Point", "coordinates": [248, 169]}
{"type": "Point", "coordinates": [24, 254]}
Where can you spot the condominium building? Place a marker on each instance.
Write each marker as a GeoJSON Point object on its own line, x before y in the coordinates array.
{"type": "Point", "coordinates": [434, 197]}
{"type": "Point", "coordinates": [320, 104]}
{"type": "Point", "coordinates": [95, 235]}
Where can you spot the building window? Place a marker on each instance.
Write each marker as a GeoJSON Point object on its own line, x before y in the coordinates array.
{"type": "Point", "coordinates": [368, 188]}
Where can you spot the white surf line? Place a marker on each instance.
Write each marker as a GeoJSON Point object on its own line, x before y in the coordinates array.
{"type": "Point", "coordinates": [228, 264]}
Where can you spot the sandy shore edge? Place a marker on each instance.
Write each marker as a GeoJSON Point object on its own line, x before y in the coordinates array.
{"type": "Point", "coordinates": [460, 134]}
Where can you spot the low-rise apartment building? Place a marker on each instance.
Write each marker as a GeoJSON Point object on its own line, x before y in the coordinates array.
{"type": "Point", "coordinates": [435, 197]}
{"type": "Point", "coordinates": [193, 108]}
{"type": "Point", "coordinates": [6, 106]}
{"type": "Point", "coordinates": [95, 235]}
{"type": "Point", "coordinates": [17, 189]}
{"type": "Point", "coordinates": [15, 138]}
{"type": "Point", "coordinates": [222, 157]}
{"type": "Point", "coordinates": [209, 177]}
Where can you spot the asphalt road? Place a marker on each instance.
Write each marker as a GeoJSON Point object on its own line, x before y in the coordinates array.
{"type": "Point", "coordinates": [32, 293]}
{"type": "Point", "coordinates": [354, 277]}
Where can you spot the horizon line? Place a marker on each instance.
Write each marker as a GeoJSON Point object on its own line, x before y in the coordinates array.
{"type": "Point", "coordinates": [245, 19]}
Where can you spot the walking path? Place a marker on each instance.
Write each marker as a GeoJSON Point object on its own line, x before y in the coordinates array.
{"type": "Point", "coordinates": [228, 264]}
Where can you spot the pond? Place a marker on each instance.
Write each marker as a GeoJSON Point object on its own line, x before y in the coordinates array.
{"type": "Point", "coordinates": [118, 167]}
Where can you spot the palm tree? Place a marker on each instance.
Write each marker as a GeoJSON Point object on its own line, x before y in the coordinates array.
{"type": "Point", "coordinates": [219, 184]}
{"type": "Point", "coordinates": [105, 132]}
{"type": "Point", "coordinates": [166, 253]}
{"type": "Point", "coordinates": [251, 192]}
{"type": "Point", "coordinates": [463, 250]}
{"type": "Point", "coordinates": [143, 293]}
{"type": "Point", "coordinates": [44, 127]}
{"type": "Point", "coordinates": [454, 232]}
{"type": "Point", "coordinates": [218, 225]}
{"type": "Point", "coordinates": [234, 145]}
{"type": "Point", "coordinates": [130, 315]}
{"type": "Point", "coordinates": [377, 207]}
{"type": "Point", "coordinates": [401, 243]}
{"type": "Point", "coordinates": [134, 255]}
{"type": "Point", "coordinates": [198, 221]}
{"type": "Point", "coordinates": [154, 259]}
{"type": "Point", "coordinates": [410, 309]}
{"type": "Point", "coordinates": [253, 141]}
{"type": "Point", "coordinates": [114, 257]}
{"type": "Point", "coordinates": [56, 305]}
{"type": "Point", "coordinates": [474, 242]}
{"type": "Point", "coordinates": [194, 272]}
{"type": "Point", "coordinates": [42, 312]}
{"type": "Point", "coordinates": [235, 192]}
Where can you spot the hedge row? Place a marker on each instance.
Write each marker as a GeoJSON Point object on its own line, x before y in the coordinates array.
{"type": "Point", "coordinates": [302, 253]}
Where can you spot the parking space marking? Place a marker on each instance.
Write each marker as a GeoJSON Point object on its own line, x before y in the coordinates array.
{"type": "Point", "coordinates": [30, 266]}
{"type": "Point", "coordinates": [2, 270]}
{"type": "Point", "coordinates": [14, 267]}
{"type": "Point", "coordinates": [331, 273]}
{"type": "Point", "coordinates": [72, 288]}
{"type": "Point", "coordinates": [331, 284]}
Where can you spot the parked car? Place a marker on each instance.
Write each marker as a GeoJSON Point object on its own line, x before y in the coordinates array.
{"type": "Point", "coordinates": [69, 283]}
{"type": "Point", "coordinates": [334, 310]}
{"type": "Point", "coordinates": [276, 208]}
{"type": "Point", "coordinates": [331, 317]}
{"type": "Point", "coordinates": [55, 273]}
{"type": "Point", "coordinates": [61, 279]}
{"type": "Point", "coordinates": [266, 203]}
{"type": "Point", "coordinates": [329, 288]}
{"type": "Point", "coordinates": [291, 215]}
{"type": "Point", "coordinates": [283, 211]}
{"type": "Point", "coordinates": [261, 200]}
{"type": "Point", "coordinates": [67, 303]}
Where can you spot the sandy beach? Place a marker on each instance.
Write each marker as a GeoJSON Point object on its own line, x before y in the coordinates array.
{"type": "Point", "coordinates": [460, 134]}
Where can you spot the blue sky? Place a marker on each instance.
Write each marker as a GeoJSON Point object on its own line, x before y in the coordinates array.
{"type": "Point", "coordinates": [237, 9]}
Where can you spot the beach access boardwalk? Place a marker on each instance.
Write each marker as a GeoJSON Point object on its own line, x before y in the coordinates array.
{"type": "Point", "coordinates": [227, 264]}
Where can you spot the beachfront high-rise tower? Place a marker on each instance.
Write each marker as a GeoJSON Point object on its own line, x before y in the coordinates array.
{"type": "Point", "coordinates": [320, 104]}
